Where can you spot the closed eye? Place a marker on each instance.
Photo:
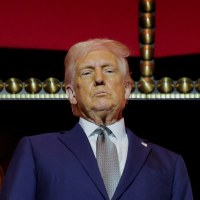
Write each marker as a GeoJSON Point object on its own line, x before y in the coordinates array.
{"type": "Point", "coordinates": [109, 70]}
{"type": "Point", "coordinates": [86, 72]}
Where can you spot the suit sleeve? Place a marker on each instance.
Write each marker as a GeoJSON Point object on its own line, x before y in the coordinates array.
{"type": "Point", "coordinates": [181, 187]}
{"type": "Point", "coordinates": [20, 179]}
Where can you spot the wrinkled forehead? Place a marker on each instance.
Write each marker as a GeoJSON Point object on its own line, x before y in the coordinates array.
{"type": "Point", "coordinates": [98, 58]}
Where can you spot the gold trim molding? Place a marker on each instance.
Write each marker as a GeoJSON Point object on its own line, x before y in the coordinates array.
{"type": "Point", "coordinates": [144, 89]}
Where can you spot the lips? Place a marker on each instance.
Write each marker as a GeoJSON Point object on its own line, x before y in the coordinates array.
{"type": "Point", "coordinates": [101, 93]}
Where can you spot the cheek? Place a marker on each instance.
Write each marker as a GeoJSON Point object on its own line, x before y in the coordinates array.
{"type": "Point", "coordinates": [118, 94]}
{"type": "Point", "coordinates": [83, 86]}
{"type": "Point", "coordinates": [83, 92]}
{"type": "Point", "coordinates": [118, 87]}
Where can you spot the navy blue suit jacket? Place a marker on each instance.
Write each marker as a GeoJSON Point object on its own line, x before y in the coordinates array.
{"type": "Point", "coordinates": [62, 166]}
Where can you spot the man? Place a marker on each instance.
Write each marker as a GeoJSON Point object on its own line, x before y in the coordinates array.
{"type": "Point", "coordinates": [68, 165]}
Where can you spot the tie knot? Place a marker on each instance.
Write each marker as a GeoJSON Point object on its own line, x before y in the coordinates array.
{"type": "Point", "coordinates": [105, 129]}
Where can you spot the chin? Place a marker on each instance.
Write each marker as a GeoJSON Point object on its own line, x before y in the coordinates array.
{"type": "Point", "coordinates": [103, 106]}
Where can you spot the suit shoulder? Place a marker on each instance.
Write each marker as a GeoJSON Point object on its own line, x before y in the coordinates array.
{"type": "Point", "coordinates": [40, 138]}
{"type": "Point", "coordinates": [155, 147]}
{"type": "Point", "coordinates": [163, 149]}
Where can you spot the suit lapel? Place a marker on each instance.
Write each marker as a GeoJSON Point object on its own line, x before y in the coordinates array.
{"type": "Point", "coordinates": [138, 151]}
{"type": "Point", "coordinates": [77, 141]}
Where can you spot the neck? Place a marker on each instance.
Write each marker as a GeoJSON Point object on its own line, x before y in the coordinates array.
{"type": "Point", "coordinates": [103, 117]}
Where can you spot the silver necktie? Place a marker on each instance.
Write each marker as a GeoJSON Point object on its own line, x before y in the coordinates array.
{"type": "Point", "coordinates": [107, 159]}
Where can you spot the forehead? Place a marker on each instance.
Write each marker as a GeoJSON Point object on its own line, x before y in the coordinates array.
{"type": "Point", "coordinates": [97, 58]}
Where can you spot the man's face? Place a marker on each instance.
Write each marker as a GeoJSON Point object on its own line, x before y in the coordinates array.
{"type": "Point", "coordinates": [99, 84]}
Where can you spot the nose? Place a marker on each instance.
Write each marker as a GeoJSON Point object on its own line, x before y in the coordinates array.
{"type": "Point", "coordinates": [99, 77]}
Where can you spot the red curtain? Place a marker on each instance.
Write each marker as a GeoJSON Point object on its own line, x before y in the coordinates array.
{"type": "Point", "coordinates": [47, 24]}
{"type": "Point", "coordinates": [177, 27]}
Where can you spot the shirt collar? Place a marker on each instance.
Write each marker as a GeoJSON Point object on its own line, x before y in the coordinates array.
{"type": "Point", "coordinates": [118, 128]}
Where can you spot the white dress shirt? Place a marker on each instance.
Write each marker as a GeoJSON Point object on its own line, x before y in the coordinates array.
{"type": "Point", "coordinates": [119, 138]}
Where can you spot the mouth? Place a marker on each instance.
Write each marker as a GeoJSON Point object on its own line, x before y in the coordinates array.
{"type": "Point", "coordinates": [101, 93]}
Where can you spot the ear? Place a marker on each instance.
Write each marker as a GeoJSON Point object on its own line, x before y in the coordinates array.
{"type": "Point", "coordinates": [71, 94]}
{"type": "Point", "coordinates": [128, 89]}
